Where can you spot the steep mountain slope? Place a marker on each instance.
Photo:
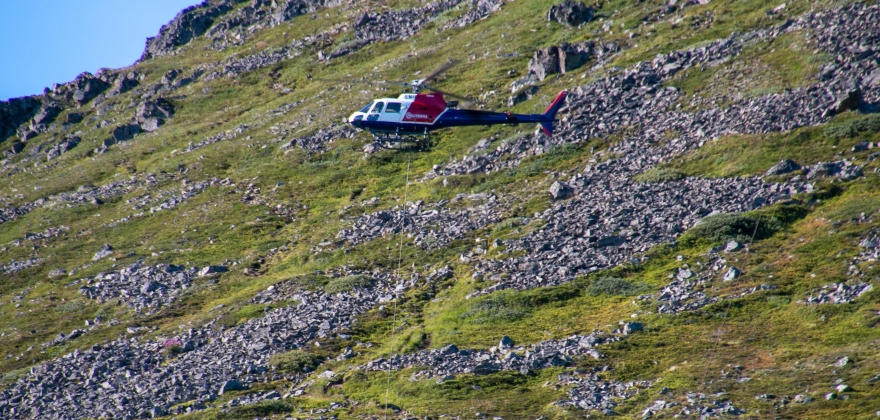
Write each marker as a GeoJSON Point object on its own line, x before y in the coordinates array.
{"type": "Point", "coordinates": [200, 236]}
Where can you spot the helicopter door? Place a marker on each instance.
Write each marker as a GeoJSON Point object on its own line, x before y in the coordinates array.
{"type": "Point", "coordinates": [376, 111]}
{"type": "Point", "coordinates": [392, 112]}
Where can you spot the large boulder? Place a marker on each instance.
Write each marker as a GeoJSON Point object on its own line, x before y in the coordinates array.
{"type": "Point", "coordinates": [62, 147]}
{"type": "Point", "coordinates": [783, 167]}
{"type": "Point", "coordinates": [124, 83]}
{"type": "Point", "coordinates": [48, 112]}
{"type": "Point", "coordinates": [559, 59]}
{"type": "Point", "coordinates": [212, 269]}
{"type": "Point", "coordinates": [849, 102]}
{"type": "Point", "coordinates": [289, 10]}
{"type": "Point", "coordinates": [152, 114]}
{"type": "Point", "coordinates": [232, 385]}
{"type": "Point", "coordinates": [125, 132]}
{"type": "Point", "coordinates": [73, 118]}
{"type": "Point", "coordinates": [17, 147]}
{"type": "Point", "coordinates": [545, 62]}
{"type": "Point", "coordinates": [560, 190]}
{"type": "Point", "coordinates": [104, 251]}
{"type": "Point", "coordinates": [571, 13]}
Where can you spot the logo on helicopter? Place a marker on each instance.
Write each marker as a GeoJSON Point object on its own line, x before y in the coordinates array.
{"type": "Point", "coordinates": [411, 115]}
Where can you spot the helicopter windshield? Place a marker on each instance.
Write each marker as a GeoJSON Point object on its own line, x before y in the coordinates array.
{"type": "Point", "coordinates": [366, 108]}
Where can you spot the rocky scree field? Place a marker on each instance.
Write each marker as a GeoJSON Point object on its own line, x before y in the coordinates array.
{"type": "Point", "coordinates": [199, 236]}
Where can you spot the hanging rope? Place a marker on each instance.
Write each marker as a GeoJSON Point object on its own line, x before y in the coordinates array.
{"type": "Point", "coordinates": [729, 301]}
{"type": "Point", "coordinates": [397, 275]}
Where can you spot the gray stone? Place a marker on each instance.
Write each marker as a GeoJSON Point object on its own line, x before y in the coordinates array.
{"type": "Point", "coordinates": [684, 274]}
{"type": "Point", "coordinates": [559, 59]}
{"type": "Point", "coordinates": [212, 269]}
{"type": "Point", "coordinates": [151, 124]}
{"type": "Point", "coordinates": [505, 343]}
{"type": "Point", "coordinates": [450, 349]}
{"type": "Point", "coordinates": [631, 327]}
{"type": "Point", "coordinates": [851, 172]}
{"type": "Point", "coordinates": [158, 108]}
{"type": "Point", "coordinates": [843, 361]}
{"type": "Point", "coordinates": [485, 369]}
{"type": "Point", "coordinates": [231, 385]}
{"type": "Point", "coordinates": [65, 145]}
{"type": "Point", "coordinates": [149, 287]}
{"type": "Point", "coordinates": [74, 118]}
{"type": "Point", "coordinates": [732, 246]}
{"type": "Point", "coordinates": [783, 167]}
{"type": "Point", "coordinates": [732, 274]}
{"type": "Point", "coordinates": [571, 13]}
{"type": "Point", "coordinates": [849, 102]}
{"type": "Point", "coordinates": [560, 190]}
{"type": "Point", "coordinates": [803, 399]}
{"type": "Point", "coordinates": [104, 251]}
{"type": "Point", "coordinates": [862, 146]}
{"type": "Point", "coordinates": [125, 132]}
{"type": "Point", "coordinates": [48, 112]}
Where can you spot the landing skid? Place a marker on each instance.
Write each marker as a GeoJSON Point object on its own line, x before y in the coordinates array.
{"type": "Point", "coordinates": [395, 141]}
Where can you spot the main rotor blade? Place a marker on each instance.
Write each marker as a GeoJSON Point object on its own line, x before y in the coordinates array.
{"type": "Point", "coordinates": [382, 82]}
{"type": "Point", "coordinates": [448, 65]}
{"type": "Point", "coordinates": [365, 82]}
{"type": "Point", "coordinates": [466, 99]}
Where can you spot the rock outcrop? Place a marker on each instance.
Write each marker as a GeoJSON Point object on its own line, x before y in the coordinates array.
{"type": "Point", "coordinates": [187, 25]}
{"type": "Point", "coordinates": [571, 13]}
{"type": "Point", "coordinates": [15, 112]}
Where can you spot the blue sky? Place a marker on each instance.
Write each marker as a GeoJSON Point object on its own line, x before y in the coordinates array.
{"type": "Point", "coordinates": [52, 41]}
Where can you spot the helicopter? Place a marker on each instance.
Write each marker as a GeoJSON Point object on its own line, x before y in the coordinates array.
{"type": "Point", "coordinates": [411, 117]}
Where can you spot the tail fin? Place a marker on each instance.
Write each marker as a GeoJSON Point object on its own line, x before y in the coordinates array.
{"type": "Point", "coordinates": [550, 113]}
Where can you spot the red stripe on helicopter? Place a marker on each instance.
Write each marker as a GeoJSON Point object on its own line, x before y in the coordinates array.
{"type": "Point", "coordinates": [425, 108]}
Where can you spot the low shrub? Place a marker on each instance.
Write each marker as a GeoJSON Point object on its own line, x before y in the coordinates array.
{"type": "Point", "coordinates": [297, 361]}
{"type": "Point", "coordinates": [260, 409]}
{"type": "Point", "coordinates": [499, 306]}
{"type": "Point", "coordinates": [613, 286]}
{"type": "Point", "coordinates": [346, 283]}
{"type": "Point", "coordinates": [738, 227]}
{"type": "Point", "coordinates": [850, 128]}
{"type": "Point", "coordinates": [69, 307]}
{"type": "Point", "coordinates": [508, 223]}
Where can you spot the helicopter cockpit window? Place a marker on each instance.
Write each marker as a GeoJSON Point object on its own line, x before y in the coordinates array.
{"type": "Point", "coordinates": [377, 109]}
{"type": "Point", "coordinates": [392, 108]}
{"type": "Point", "coordinates": [366, 108]}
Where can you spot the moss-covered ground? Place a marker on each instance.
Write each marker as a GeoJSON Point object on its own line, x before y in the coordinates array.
{"type": "Point", "coordinates": [784, 348]}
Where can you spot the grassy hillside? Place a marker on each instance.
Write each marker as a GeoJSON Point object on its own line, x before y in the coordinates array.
{"type": "Point", "coordinates": [230, 180]}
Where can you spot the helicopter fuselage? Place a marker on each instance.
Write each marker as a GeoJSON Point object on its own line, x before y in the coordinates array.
{"type": "Point", "coordinates": [413, 114]}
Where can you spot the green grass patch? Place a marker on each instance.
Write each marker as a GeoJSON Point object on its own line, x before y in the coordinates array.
{"type": "Point", "coordinates": [742, 227]}
{"type": "Point", "coordinates": [860, 125]}
{"type": "Point", "coordinates": [347, 283]}
{"type": "Point", "coordinates": [754, 154]}
{"type": "Point", "coordinates": [613, 286]}
{"type": "Point", "coordinates": [297, 361]}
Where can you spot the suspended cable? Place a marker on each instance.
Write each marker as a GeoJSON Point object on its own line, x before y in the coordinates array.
{"type": "Point", "coordinates": [397, 275]}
